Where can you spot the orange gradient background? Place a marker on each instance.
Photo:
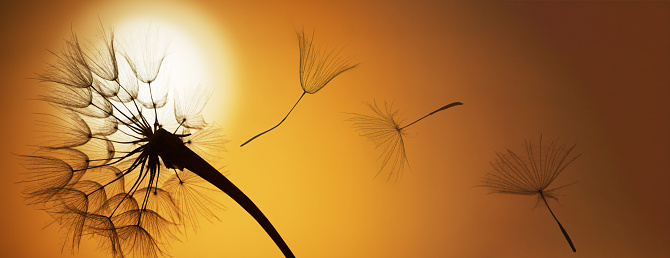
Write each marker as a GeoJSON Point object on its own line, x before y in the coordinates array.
{"type": "Point", "coordinates": [596, 74]}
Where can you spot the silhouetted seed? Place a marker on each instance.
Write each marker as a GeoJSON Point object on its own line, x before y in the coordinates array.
{"type": "Point", "coordinates": [531, 173]}
{"type": "Point", "coordinates": [120, 161]}
{"type": "Point", "coordinates": [385, 129]}
{"type": "Point", "coordinates": [317, 68]}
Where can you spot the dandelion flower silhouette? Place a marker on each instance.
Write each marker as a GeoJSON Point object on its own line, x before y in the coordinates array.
{"type": "Point", "coordinates": [317, 68]}
{"type": "Point", "coordinates": [385, 129]}
{"type": "Point", "coordinates": [531, 173]}
{"type": "Point", "coordinates": [120, 162]}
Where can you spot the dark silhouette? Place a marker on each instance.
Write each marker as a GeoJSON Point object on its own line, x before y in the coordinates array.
{"type": "Point", "coordinates": [176, 155]}
{"type": "Point", "coordinates": [100, 171]}
{"type": "Point", "coordinates": [385, 129]}
{"type": "Point", "coordinates": [531, 174]}
{"type": "Point", "coordinates": [317, 68]}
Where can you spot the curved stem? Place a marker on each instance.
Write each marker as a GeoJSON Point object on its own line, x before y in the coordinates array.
{"type": "Point", "coordinates": [565, 233]}
{"type": "Point", "coordinates": [199, 166]}
{"type": "Point", "coordinates": [431, 113]}
{"type": "Point", "coordinates": [289, 112]}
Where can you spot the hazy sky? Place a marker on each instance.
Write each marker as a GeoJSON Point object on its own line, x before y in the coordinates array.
{"type": "Point", "coordinates": [596, 74]}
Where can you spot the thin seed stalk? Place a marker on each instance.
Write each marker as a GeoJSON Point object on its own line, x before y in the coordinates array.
{"type": "Point", "coordinates": [289, 112]}
{"type": "Point", "coordinates": [431, 113]}
{"type": "Point", "coordinates": [565, 233]}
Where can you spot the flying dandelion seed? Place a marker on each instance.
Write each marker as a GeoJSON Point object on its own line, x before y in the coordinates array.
{"type": "Point", "coordinates": [384, 128]}
{"type": "Point", "coordinates": [531, 174]}
{"type": "Point", "coordinates": [119, 161]}
{"type": "Point", "coordinates": [317, 68]}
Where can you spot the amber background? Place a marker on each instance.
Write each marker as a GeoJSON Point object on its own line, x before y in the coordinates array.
{"type": "Point", "coordinates": [594, 73]}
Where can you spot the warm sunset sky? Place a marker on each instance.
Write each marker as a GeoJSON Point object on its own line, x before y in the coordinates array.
{"type": "Point", "coordinates": [593, 73]}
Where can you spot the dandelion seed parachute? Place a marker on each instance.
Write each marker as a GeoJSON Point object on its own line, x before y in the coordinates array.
{"type": "Point", "coordinates": [317, 68]}
{"type": "Point", "coordinates": [531, 173]}
{"type": "Point", "coordinates": [385, 129]}
{"type": "Point", "coordinates": [120, 161]}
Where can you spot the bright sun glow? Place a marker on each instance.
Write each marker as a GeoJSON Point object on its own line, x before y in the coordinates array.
{"type": "Point", "coordinates": [183, 64]}
{"type": "Point", "coordinates": [195, 56]}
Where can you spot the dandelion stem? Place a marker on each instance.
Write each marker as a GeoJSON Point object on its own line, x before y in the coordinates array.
{"type": "Point", "coordinates": [431, 113]}
{"type": "Point", "coordinates": [565, 233]}
{"type": "Point", "coordinates": [289, 112]}
{"type": "Point", "coordinates": [199, 166]}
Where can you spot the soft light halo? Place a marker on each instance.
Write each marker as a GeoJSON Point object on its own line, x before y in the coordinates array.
{"type": "Point", "coordinates": [200, 45]}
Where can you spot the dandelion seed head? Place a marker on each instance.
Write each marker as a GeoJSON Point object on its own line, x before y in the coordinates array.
{"type": "Point", "coordinates": [104, 168]}
{"type": "Point", "coordinates": [71, 69]}
{"type": "Point", "coordinates": [100, 55]}
{"type": "Point", "coordinates": [145, 52]}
